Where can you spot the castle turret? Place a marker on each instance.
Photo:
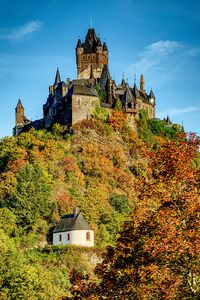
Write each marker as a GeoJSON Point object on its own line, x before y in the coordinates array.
{"type": "Point", "coordinates": [20, 118]}
{"type": "Point", "coordinates": [79, 52]}
{"type": "Point", "coordinates": [91, 52]}
{"type": "Point", "coordinates": [142, 84]}
{"type": "Point", "coordinates": [19, 113]}
{"type": "Point", "coordinates": [151, 97]}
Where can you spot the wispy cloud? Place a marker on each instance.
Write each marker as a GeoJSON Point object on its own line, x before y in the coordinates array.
{"type": "Point", "coordinates": [160, 54]}
{"type": "Point", "coordinates": [21, 32]}
{"type": "Point", "coordinates": [173, 112]}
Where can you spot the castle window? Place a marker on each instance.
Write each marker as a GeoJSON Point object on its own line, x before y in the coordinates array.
{"type": "Point", "coordinates": [68, 237]}
{"type": "Point", "coordinates": [88, 237]}
{"type": "Point", "coordinates": [60, 237]}
{"type": "Point", "coordinates": [79, 102]}
{"type": "Point", "coordinates": [129, 105]}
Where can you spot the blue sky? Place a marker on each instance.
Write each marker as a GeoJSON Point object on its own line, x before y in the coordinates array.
{"type": "Point", "coordinates": [157, 38]}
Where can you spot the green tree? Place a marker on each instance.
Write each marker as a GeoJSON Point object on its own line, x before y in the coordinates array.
{"type": "Point", "coordinates": [31, 200]}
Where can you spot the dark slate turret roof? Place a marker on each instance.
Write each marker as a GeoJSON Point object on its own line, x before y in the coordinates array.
{"type": "Point", "coordinates": [79, 43]}
{"type": "Point", "coordinates": [151, 95]}
{"type": "Point", "coordinates": [57, 78]}
{"type": "Point", "coordinates": [105, 48]}
{"type": "Point", "coordinates": [99, 42]}
{"type": "Point", "coordinates": [91, 41]}
{"type": "Point", "coordinates": [123, 82]}
{"type": "Point", "coordinates": [128, 96]}
{"type": "Point", "coordinates": [136, 93]}
{"type": "Point", "coordinates": [72, 222]}
{"type": "Point", "coordinates": [105, 75]}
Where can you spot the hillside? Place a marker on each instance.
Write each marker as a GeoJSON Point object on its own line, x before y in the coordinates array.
{"type": "Point", "coordinates": [97, 166]}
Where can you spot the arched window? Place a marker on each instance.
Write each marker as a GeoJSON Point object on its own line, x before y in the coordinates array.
{"type": "Point", "coordinates": [88, 236]}
{"type": "Point", "coordinates": [60, 237]}
{"type": "Point", "coordinates": [129, 105]}
{"type": "Point", "coordinates": [68, 236]}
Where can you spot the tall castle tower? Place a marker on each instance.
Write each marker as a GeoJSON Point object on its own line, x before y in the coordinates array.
{"type": "Point", "coordinates": [19, 114]}
{"type": "Point", "coordinates": [20, 118]}
{"type": "Point", "coordinates": [91, 55]}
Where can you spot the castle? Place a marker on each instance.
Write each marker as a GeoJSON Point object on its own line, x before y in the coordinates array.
{"type": "Point", "coordinates": [74, 100]}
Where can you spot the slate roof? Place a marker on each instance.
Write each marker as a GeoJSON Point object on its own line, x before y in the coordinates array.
{"type": "Point", "coordinates": [79, 44]}
{"type": "Point", "coordinates": [105, 75]}
{"type": "Point", "coordinates": [151, 95]}
{"type": "Point", "coordinates": [105, 48]}
{"type": "Point", "coordinates": [128, 96]}
{"type": "Point", "coordinates": [72, 222]}
{"type": "Point", "coordinates": [91, 41]}
{"type": "Point", "coordinates": [57, 78]}
{"type": "Point", "coordinates": [123, 82]}
{"type": "Point", "coordinates": [81, 89]}
{"type": "Point", "coordinates": [136, 93]}
{"type": "Point", "coordinates": [99, 42]}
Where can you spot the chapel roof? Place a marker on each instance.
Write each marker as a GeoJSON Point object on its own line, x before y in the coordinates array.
{"type": "Point", "coordinates": [72, 222]}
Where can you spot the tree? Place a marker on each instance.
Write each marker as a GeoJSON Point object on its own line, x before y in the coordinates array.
{"type": "Point", "coordinates": [31, 199]}
{"type": "Point", "coordinates": [157, 253]}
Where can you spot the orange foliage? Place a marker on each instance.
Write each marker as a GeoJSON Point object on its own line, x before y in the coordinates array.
{"type": "Point", "coordinates": [117, 119]}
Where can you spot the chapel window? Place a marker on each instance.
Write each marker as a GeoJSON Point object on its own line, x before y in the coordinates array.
{"type": "Point", "coordinates": [60, 237]}
{"type": "Point", "coordinates": [68, 237]}
{"type": "Point", "coordinates": [88, 238]}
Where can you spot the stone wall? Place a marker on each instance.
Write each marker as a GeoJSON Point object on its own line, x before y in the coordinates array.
{"type": "Point", "coordinates": [82, 107]}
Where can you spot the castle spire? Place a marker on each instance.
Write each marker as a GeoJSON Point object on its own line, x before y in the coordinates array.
{"type": "Point", "coordinates": [105, 48]}
{"type": "Point", "coordinates": [19, 113]}
{"type": "Point", "coordinates": [142, 83]}
{"type": "Point", "coordinates": [79, 43]}
{"type": "Point", "coordinates": [19, 104]}
{"type": "Point", "coordinates": [57, 78]}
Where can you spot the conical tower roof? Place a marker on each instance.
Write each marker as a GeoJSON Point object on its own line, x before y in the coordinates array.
{"type": "Point", "coordinates": [128, 96]}
{"type": "Point", "coordinates": [105, 76]}
{"type": "Point", "coordinates": [19, 103]}
{"type": "Point", "coordinates": [99, 42]}
{"type": "Point", "coordinates": [79, 43]}
{"type": "Point", "coordinates": [105, 48]}
{"type": "Point", "coordinates": [151, 95]}
{"type": "Point", "coordinates": [57, 78]}
{"type": "Point", "coordinates": [135, 91]}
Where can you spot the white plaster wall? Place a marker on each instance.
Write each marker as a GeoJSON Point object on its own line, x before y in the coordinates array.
{"type": "Point", "coordinates": [77, 237]}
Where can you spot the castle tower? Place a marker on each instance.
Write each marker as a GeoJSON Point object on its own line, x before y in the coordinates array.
{"type": "Point", "coordinates": [19, 114]}
{"type": "Point", "coordinates": [142, 84]}
{"type": "Point", "coordinates": [91, 53]}
{"type": "Point", "coordinates": [20, 118]}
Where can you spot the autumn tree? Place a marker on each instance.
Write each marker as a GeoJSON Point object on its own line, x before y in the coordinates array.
{"type": "Point", "coordinates": [157, 253]}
